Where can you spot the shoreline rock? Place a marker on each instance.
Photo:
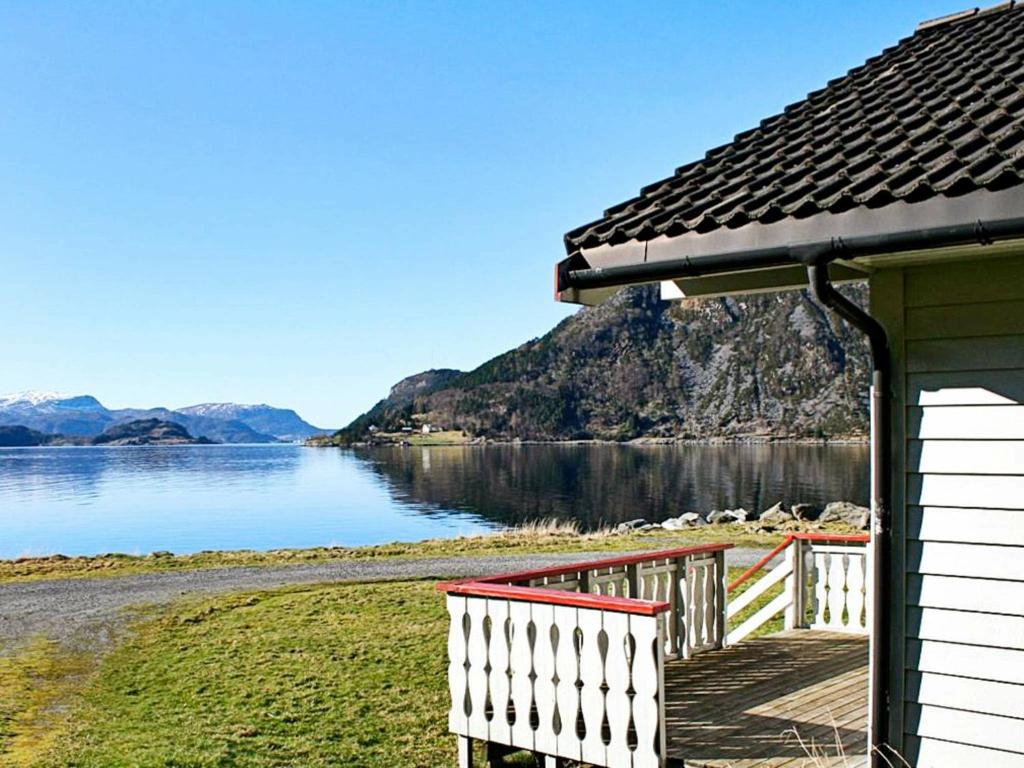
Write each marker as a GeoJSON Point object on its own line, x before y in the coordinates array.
{"type": "Point", "coordinates": [779, 516]}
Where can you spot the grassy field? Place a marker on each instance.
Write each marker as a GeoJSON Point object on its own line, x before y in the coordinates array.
{"type": "Point", "coordinates": [346, 674]}
{"type": "Point", "coordinates": [545, 537]}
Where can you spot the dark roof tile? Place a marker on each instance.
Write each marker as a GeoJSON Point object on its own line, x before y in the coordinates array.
{"type": "Point", "coordinates": [940, 113]}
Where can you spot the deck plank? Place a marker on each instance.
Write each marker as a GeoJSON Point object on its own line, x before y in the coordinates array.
{"type": "Point", "coordinates": [738, 707]}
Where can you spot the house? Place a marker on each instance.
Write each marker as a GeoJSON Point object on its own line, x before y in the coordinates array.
{"type": "Point", "coordinates": [906, 173]}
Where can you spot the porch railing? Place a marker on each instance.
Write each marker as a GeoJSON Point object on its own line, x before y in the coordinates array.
{"type": "Point", "coordinates": [568, 661]}
{"type": "Point", "coordinates": [824, 586]}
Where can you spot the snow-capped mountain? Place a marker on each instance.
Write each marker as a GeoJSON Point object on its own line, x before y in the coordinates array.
{"type": "Point", "coordinates": [84, 416]}
{"type": "Point", "coordinates": [283, 423]}
{"type": "Point", "coordinates": [34, 399]}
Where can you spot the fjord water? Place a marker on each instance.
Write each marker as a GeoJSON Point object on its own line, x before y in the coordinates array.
{"type": "Point", "coordinates": [185, 499]}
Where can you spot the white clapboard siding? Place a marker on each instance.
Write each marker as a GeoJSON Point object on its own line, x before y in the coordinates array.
{"type": "Point", "coordinates": [990, 318]}
{"type": "Point", "coordinates": [979, 353]}
{"type": "Point", "coordinates": [963, 693]}
{"type": "Point", "coordinates": [966, 594]}
{"type": "Point", "coordinates": [966, 627]}
{"type": "Point", "coordinates": [967, 282]}
{"type": "Point", "coordinates": [966, 457]}
{"type": "Point", "coordinates": [963, 345]}
{"type": "Point", "coordinates": [979, 561]}
{"type": "Point", "coordinates": [1004, 387]}
{"type": "Point", "coordinates": [970, 526]}
{"type": "Point", "coordinates": [967, 422]}
{"type": "Point", "coordinates": [967, 727]}
{"type": "Point", "coordinates": [936, 753]}
{"type": "Point", "coordinates": [992, 491]}
{"type": "Point", "coordinates": [998, 664]}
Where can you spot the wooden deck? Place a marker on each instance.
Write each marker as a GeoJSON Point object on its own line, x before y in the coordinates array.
{"type": "Point", "coordinates": [738, 707]}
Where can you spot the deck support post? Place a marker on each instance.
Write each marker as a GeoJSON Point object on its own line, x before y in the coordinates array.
{"type": "Point", "coordinates": [465, 752]}
{"type": "Point", "coordinates": [553, 762]}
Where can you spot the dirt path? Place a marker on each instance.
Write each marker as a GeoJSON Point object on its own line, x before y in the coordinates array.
{"type": "Point", "coordinates": [86, 612]}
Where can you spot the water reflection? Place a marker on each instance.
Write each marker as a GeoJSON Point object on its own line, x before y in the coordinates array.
{"type": "Point", "coordinates": [598, 484]}
{"type": "Point", "coordinates": [189, 498]}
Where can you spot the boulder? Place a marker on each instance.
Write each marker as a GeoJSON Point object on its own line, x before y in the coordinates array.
{"type": "Point", "coordinates": [720, 516]}
{"type": "Point", "coordinates": [775, 515]}
{"type": "Point", "coordinates": [685, 520]}
{"type": "Point", "coordinates": [845, 512]}
{"type": "Point", "coordinates": [693, 519]}
{"type": "Point", "coordinates": [806, 512]}
{"type": "Point", "coordinates": [630, 525]}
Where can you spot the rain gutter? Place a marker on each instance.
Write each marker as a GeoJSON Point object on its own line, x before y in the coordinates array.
{"type": "Point", "coordinates": [570, 276]}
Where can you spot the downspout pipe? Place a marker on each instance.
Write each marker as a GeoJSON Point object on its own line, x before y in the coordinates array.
{"type": "Point", "coordinates": [881, 472]}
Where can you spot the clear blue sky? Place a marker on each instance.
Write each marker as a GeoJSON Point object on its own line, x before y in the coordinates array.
{"type": "Point", "coordinates": [299, 203]}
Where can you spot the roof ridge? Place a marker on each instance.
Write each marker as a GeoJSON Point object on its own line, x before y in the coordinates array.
{"type": "Point", "coordinates": [969, 13]}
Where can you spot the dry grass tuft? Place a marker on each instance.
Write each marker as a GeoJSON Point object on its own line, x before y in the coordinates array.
{"type": "Point", "coordinates": [545, 528]}
{"type": "Point", "coordinates": [835, 756]}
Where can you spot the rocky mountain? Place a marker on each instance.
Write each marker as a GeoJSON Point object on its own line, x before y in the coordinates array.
{"type": "Point", "coordinates": [147, 432]}
{"type": "Point", "coordinates": [84, 416]}
{"type": "Point", "coordinates": [54, 413]}
{"type": "Point", "coordinates": [775, 365]}
{"type": "Point", "coordinates": [218, 430]}
{"type": "Point", "coordinates": [282, 423]}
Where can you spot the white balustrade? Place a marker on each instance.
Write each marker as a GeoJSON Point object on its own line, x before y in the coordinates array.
{"type": "Point", "coordinates": [531, 667]}
{"type": "Point", "coordinates": [839, 574]}
{"type": "Point", "coordinates": [577, 683]}
{"type": "Point", "coordinates": [821, 576]}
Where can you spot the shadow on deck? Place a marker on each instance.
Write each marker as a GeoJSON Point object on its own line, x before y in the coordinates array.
{"type": "Point", "coordinates": [738, 707]}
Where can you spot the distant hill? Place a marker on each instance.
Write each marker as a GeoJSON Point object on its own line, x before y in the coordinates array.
{"type": "Point", "coordinates": [282, 423]}
{"type": "Point", "coordinates": [84, 416]}
{"type": "Point", "coordinates": [395, 410]}
{"type": "Point", "coordinates": [775, 366]}
{"type": "Point", "coordinates": [23, 437]}
{"type": "Point", "coordinates": [148, 432]}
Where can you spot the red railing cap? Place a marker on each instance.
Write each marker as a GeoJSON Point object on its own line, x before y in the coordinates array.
{"type": "Point", "coordinates": [611, 562]}
{"type": "Point", "coordinates": [851, 537]}
{"type": "Point", "coordinates": [555, 597]}
{"type": "Point", "coordinates": [489, 586]}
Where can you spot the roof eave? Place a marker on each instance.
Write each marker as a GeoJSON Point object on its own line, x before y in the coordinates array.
{"type": "Point", "coordinates": [760, 257]}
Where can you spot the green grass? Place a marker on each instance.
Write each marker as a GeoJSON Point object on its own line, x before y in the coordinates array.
{"type": "Point", "coordinates": [316, 676]}
{"type": "Point", "coordinates": [348, 674]}
{"type": "Point", "coordinates": [36, 682]}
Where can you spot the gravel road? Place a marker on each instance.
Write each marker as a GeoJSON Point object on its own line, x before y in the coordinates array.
{"type": "Point", "coordinates": [87, 612]}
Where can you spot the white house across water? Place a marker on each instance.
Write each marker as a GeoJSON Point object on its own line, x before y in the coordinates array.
{"type": "Point", "coordinates": [906, 173]}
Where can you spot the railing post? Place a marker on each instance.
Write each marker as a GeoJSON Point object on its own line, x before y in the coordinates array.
{"type": "Point", "coordinates": [677, 614]}
{"type": "Point", "coordinates": [795, 618]}
{"type": "Point", "coordinates": [721, 598]}
{"type": "Point", "coordinates": [633, 580]}
{"type": "Point", "coordinates": [584, 581]}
